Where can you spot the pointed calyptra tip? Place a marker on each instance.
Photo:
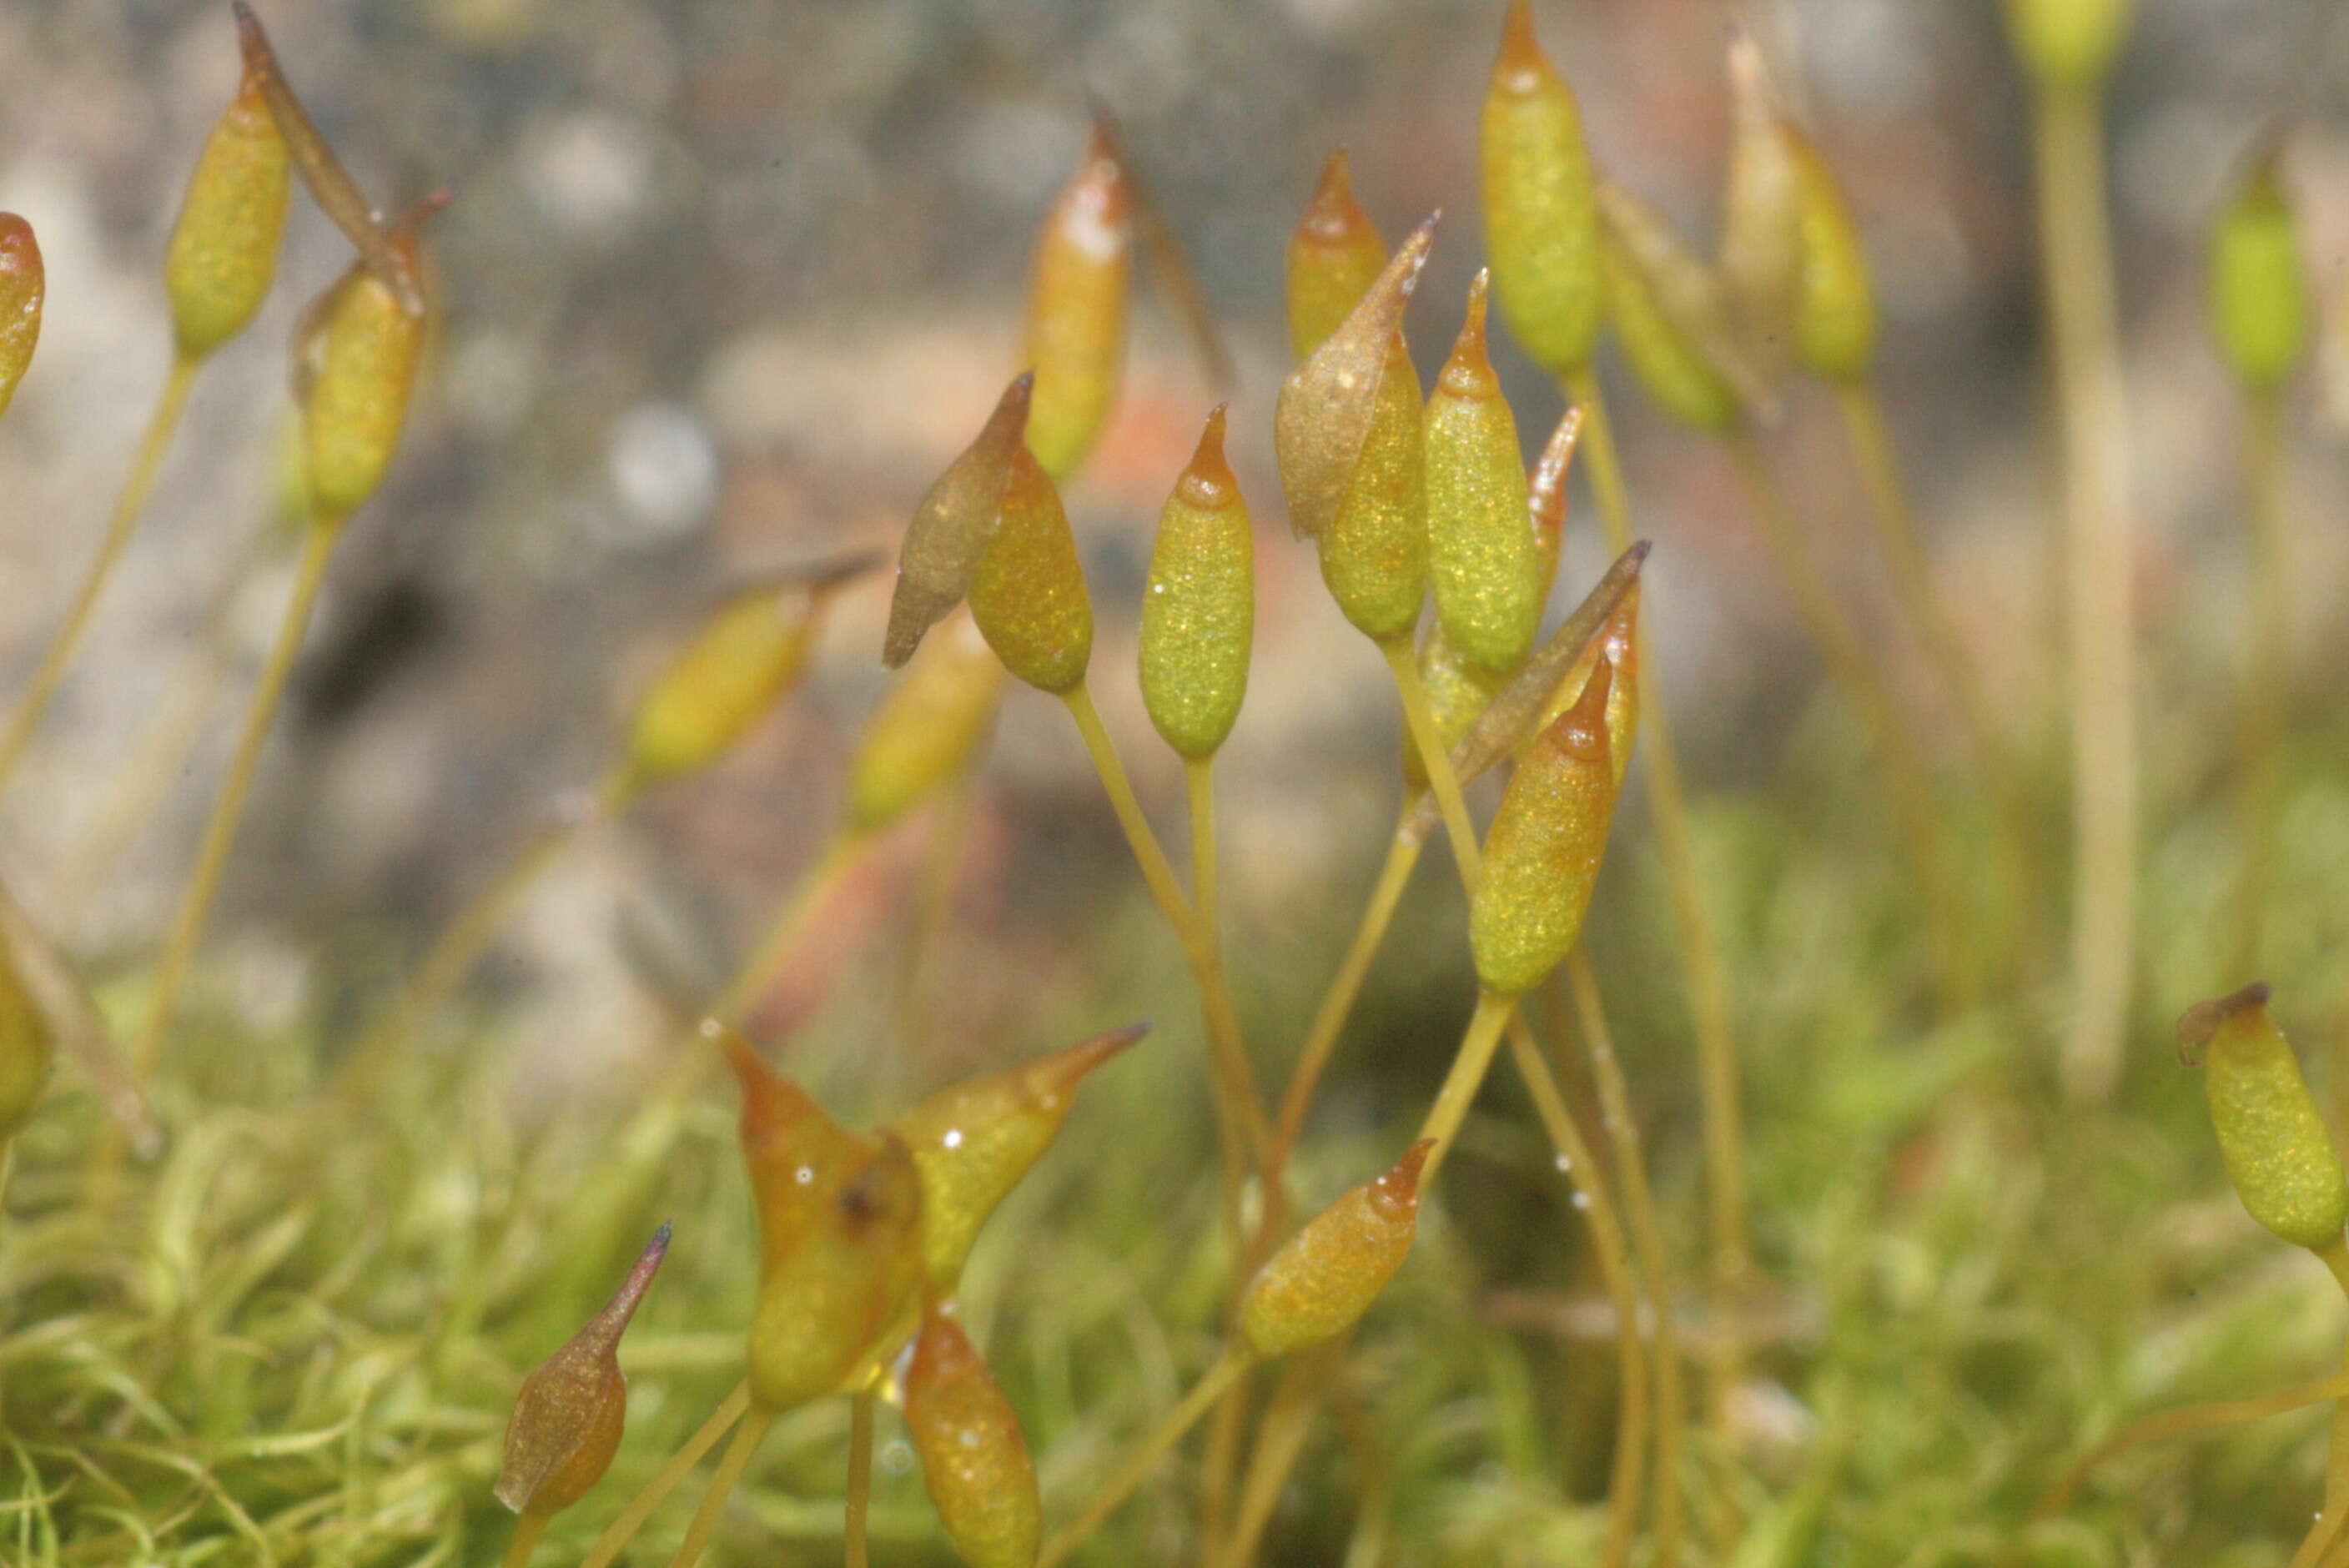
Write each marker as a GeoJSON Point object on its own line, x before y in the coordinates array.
{"type": "Point", "coordinates": [1521, 65]}
{"type": "Point", "coordinates": [1468, 373]}
{"type": "Point", "coordinates": [1397, 1190]}
{"type": "Point", "coordinates": [1208, 481]}
{"type": "Point", "coordinates": [1333, 215]}
{"type": "Point", "coordinates": [1410, 256]}
{"type": "Point", "coordinates": [1063, 1070]}
{"type": "Point", "coordinates": [1581, 730]}
{"type": "Point", "coordinates": [2200, 1022]}
{"type": "Point", "coordinates": [1546, 495]}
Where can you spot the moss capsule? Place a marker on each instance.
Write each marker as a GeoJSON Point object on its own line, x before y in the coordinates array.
{"type": "Point", "coordinates": [2260, 307]}
{"type": "Point", "coordinates": [1028, 593]}
{"type": "Point", "coordinates": [951, 527]}
{"type": "Point", "coordinates": [1325, 1277]}
{"type": "Point", "coordinates": [1543, 851]}
{"type": "Point", "coordinates": [24, 283]}
{"type": "Point", "coordinates": [2068, 43]}
{"type": "Point", "coordinates": [1198, 612]}
{"type": "Point", "coordinates": [2273, 1139]}
{"type": "Point", "coordinates": [1835, 318]}
{"type": "Point", "coordinates": [927, 730]}
{"type": "Point", "coordinates": [974, 1459]}
{"type": "Point", "coordinates": [361, 377]}
{"type": "Point", "coordinates": [1678, 366]}
{"type": "Point", "coordinates": [569, 1417]}
{"type": "Point", "coordinates": [839, 1239]}
{"type": "Point", "coordinates": [1618, 645]}
{"type": "Point", "coordinates": [1457, 693]}
{"type": "Point", "coordinates": [1481, 557]}
{"type": "Point", "coordinates": [1541, 221]}
{"type": "Point", "coordinates": [974, 1140]}
{"type": "Point", "coordinates": [1081, 279]}
{"type": "Point", "coordinates": [1334, 256]}
{"type": "Point", "coordinates": [1760, 258]}
{"type": "Point", "coordinates": [224, 249]}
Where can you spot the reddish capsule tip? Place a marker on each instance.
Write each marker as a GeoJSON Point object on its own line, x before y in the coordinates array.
{"type": "Point", "coordinates": [1396, 1193]}
{"type": "Point", "coordinates": [19, 250]}
{"type": "Point", "coordinates": [1066, 1069]}
{"type": "Point", "coordinates": [2201, 1021]}
{"type": "Point", "coordinates": [1468, 373]}
{"type": "Point", "coordinates": [1333, 216]}
{"type": "Point", "coordinates": [1581, 730]}
{"type": "Point", "coordinates": [1521, 65]}
{"type": "Point", "coordinates": [1209, 481]}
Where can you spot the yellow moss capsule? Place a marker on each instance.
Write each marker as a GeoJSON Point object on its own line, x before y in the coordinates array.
{"type": "Point", "coordinates": [2273, 1139]}
{"type": "Point", "coordinates": [1541, 222]}
{"type": "Point", "coordinates": [927, 730]}
{"type": "Point", "coordinates": [22, 285]}
{"type": "Point", "coordinates": [2260, 305]}
{"type": "Point", "coordinates": [974, 1140]}
{"type": "Point", "coordinates": [839, 1238]}
{"type": "Point", "coordinates": [27, 1048]}
{"type": "Point", "coordinates": [1618, 645]}
{"type": "Point", "coordinates": [1334, 256]}
{"type": "Point", "coordinates": [952, 526]}
{"type": "Point", "coordinates": [1198, 614]}
{"type": "Point", "coordinates": [1481, 557]}
{"type": "Point", "coordinates": [1760, 259]}
{"type": "Point", "coordinates": [1835, 318]}
{"type": "Point", "coordinates": [1543, 851]}
{"type": "Point", "coordinates": [569, 1416]}
{"type": "Point", "coordinates": [356, 404]}
{"type": "Point", "coordinates": [1028, 593]}
{"type": "Point", "coordinates": [1322, 1280]}
{"type": "Point", "coordinates": [1327, 405]}
{"type": "Point", "coordinates": [1375, 551]}
{"type": "Point", "coordinates": [223, 250]}
{"type": "Point", "coordinates": [744, 659]}
{"type": "Point", "coordinates": [1683, 378]}
{"type": "Point", "coordinates": [1457, 693]}
{"type": "Point", "coordinates": [975, 1458]}
{"type": "Point", "coordinates": [1081, 279]}
{"type": "Point", "coordinates": [1546, 496]}
{"type": "Point", "coordinates": [2068, 43]}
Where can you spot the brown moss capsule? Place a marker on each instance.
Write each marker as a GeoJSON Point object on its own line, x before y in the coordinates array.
{"type": "Point", "coordinates": [569, 1416]}
{"type": "Point", "coordinates": [1322, 1280]}
{"type": "Point", "coordinates": [1668, 317]}
{"type": "Point", "coordinates": [2260, 307]}
{"type": "Point", "coordinates": [1198, 612]}
{"type": "Point", "coordinates": [1760, 259]}
{"type": "Point", "coordinates": [1546, 496]}
{"type": "Point", "coordinates": [839, 1238]}
{"type": "Point", "coordinates": [973, 1141]}
{"type": "Point", "coordinates": [1543, 851]}
{"type": "Point", "coordinates": [2279, 1154]}
{"type": "Point", "coordinates": [952, 526]}
{"type": "Point", "coordinates": [1541, 222]}
{"type": "Point", "coordinates": [743, 661]}
{"type": "Point", "coordinates": [1835, 319]}
{"type": "Point", "coordinates": [224, 249]}
{"type": "Point", "coordinates": [1481, 555]}
{"type": "Point", "coordinates": [1327, 405]}
{"type": "Point", "coordinates": [1334, 256]}
{"type": "Point", "coordinates": [1082, 276]}
{"type": "Point", "coordinates": [1028, 593]}
{"type": "Point", "coordinates": [975, 1458]}
{"type": "Point", "coordinates": [927, 730]}
{"type": "Point", "coordinates": [23, 285]}
{"type": "Point", "coordinates": [362, 372]}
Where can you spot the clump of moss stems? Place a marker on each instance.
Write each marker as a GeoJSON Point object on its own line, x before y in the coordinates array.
{"type": "Point", "coordinates": [150, 1302]}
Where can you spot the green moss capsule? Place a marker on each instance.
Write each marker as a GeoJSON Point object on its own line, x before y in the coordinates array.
{"type": "Point", "coordinates": [24, 283]}
{"type": "Point", "coordinates": [1028, 593]}
{"type": "Point", "coordinates": [1543, 852]}
{"type": "Point", "coordinates": [1457, 693]}
{"type": "Point", "coordinates": [1760, 258]}
{"type": "Point", "coordinates": [362, 372]}
{"type": "Point", "coordinates": [1334, 255]}
{"type": "Point", "coordinates": [1541, 220]}
{"type": "Point", "coordinates": [2260, 307]}
{"type": "Point", "coordinates": [224, 249]}
{"type": "Point", "coordinates": [1683, 378]}
{"type": "Point", "coordinates": [2068, 43]}
{"type": "Point", "coordinates": [1482, 556]}
{"type": "Point", "coordinates": [1198, 612]}
{"type": "Point", "coordinates": [951, 527]}
{"type": "Point", "coordinates": [1318, 1285]}
{"type": "Point", "coordinates": [975, 1458]}
{"type": "Point", "coordinates": [1835, 319]}
{"type": "Point", "coordinates": [2273, 1139]}
{"type": "Point", "coordinates": [929, 730]}
{"type": "Point", "coordinates": [1082, 278]}
{"type": "Point", "coordinates": [570, 1414]}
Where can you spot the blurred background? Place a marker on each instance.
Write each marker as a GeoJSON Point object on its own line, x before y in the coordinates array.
{"type": "Point", "coordinates": [726, 284]}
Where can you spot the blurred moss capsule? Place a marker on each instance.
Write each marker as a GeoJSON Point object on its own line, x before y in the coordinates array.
{"type": "Point", "coordinates": [2273, 1139]}
{"type": "Point", "coordinates": [1481, 555]}
{"type": "Point", "coordinates": [223, 250]}
{"type": "Point", "coordinates": [951, 527]}
{"type": "Point", "coordinates": [744, 659]}
{"type": "Point", "coordinates": [839, 1238]}
{"type": "Point", "coordinates": [1546, 496]}
{"type": "Point", "coordinates": [973, 1141]}
{"type": "Point", "coordinates": [363, 373]}
{"type": "Point", "coordinates": [2068, 43]}
{"type": "Point", "coordinates": [975, 1458]}
{"type": "Point", "coordinates": [1760, 259]}
{"type": "Point", "coordinates": [22, 285]}
{"type": "Point", "coordinates": [1322, 1280]}
{"type": "Point", "coordinates": [1543, 851]}
{"type": "Point", "coordinates": [27, 1048]}
{"type": "Point", "coordinates": [1334, 255]}
{"type": "Point", "coordinates": [1679, 372]}
{"type": "Point", "coordinates": [927, 731]}
{"type": "Point", "coordinates": [2260, 305]}
{"type": "Point", "coordinates": [1457, 693]}
{"type": "Point", "coordinates": [1028, 593]}
{"type": "Point", "coordinates": [1198, 615]}
{"type": "Point", "coordinates": [1081, 279]}
{"type": "Point", "coordinates": [1541, 222]}
{"type": "Point", "coordinates": [1835, 318]}
{"type": "Point", "coordinates": [569, 1416]}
